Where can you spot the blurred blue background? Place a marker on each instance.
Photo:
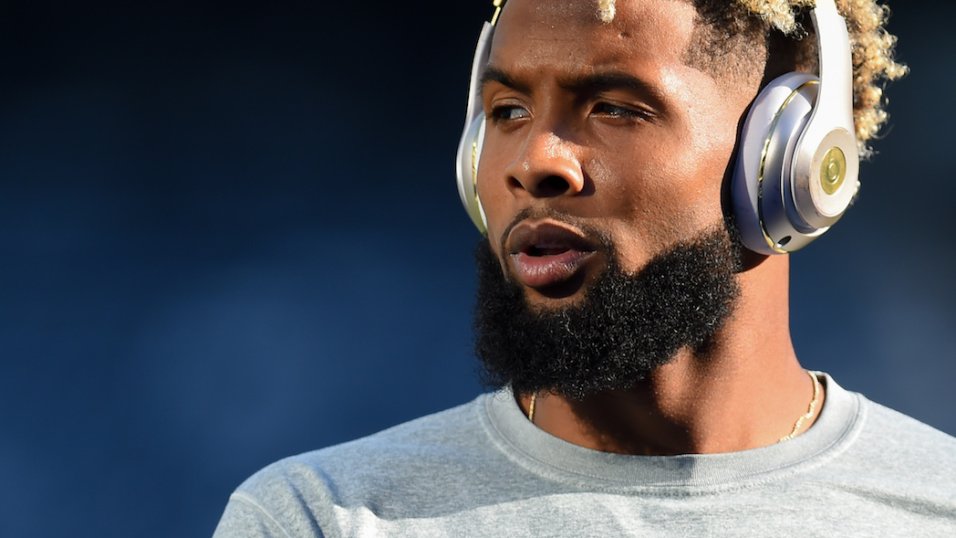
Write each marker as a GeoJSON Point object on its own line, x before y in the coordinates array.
{"type": "Point", "coordinates": [230, 234]}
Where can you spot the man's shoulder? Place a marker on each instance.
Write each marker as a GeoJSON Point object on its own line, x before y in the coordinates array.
{"type": "Point", "coordinates": [415, 461]}
{"type": "Point", "coordinates": [902, 456]}
{"type": "Point", "coordinates": [905, 431]}
{"type": "Point", "coordinates": [863, 427]}
{"type": "Point", "coordinates": [902, 437]}
{"type": "Point", "coordinates": [435, 436]}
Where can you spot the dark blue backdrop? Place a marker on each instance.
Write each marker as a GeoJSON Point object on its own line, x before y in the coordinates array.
{"type": "Point", "coordinates": [230, 233]}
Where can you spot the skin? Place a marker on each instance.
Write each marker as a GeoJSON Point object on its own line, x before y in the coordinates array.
{"type": "Point", "coordinates": [643, 156]}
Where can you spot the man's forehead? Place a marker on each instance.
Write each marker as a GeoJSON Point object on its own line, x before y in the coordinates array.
{"type": "Point", "coordinates": [594, 11]}
{"type": "Point", "coordinates": [534, 32]}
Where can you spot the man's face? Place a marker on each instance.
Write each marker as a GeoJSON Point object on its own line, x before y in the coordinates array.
{"type": "Point", "coordinates": [599, 133]}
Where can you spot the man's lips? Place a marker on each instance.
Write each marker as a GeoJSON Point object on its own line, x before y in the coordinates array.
{"type": "Point", "coordinates": [545, 254]}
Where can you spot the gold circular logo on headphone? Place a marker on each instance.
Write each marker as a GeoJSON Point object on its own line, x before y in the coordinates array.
{"type": "Point", "coordinates": [833, 170]}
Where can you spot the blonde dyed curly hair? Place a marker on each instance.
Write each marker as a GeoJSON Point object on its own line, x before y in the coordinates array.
{"type": "Point", "coordinates": [873, 51]}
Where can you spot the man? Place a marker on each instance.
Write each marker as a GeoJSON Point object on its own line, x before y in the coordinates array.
{"type": "Point", "coordinates": [650, 386]}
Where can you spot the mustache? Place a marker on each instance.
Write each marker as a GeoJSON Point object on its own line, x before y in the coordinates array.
{"type": "Point", "coordinates": [543, 213]}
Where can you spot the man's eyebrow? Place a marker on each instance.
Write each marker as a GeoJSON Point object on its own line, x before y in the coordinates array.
{"type": "Point", "coordinates": [585, 84]}
{"type": "Point", "coordinates": [494, 74]}
{"type": "Point", "coordinates": [593, 83]}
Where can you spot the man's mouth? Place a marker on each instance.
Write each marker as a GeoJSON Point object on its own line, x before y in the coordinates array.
{"type": "Point", "coordinates": [545, 255]}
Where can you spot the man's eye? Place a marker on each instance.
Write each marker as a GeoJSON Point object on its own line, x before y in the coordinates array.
{"type": "Point", "coordinates": [508, 113]}
{"type": "Point", "coordinates": [618, 111]}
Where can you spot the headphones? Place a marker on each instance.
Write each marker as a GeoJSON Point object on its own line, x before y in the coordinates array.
{"type": "Point", "coordinates": [797, 165]}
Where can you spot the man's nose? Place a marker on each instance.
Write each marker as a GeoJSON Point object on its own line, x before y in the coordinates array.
{"type": "Point", "coordinates": [547, 166]}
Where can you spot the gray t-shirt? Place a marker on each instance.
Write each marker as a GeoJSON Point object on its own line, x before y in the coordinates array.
{"type": "Point", "coordinates": [481, 469]}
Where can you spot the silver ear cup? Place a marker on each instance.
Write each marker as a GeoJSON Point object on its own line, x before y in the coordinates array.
{"type": "Point", "coordinates": [469, 148]}
{"type": "Point", "coordinates": [824, 189]}
{"type": "Point", "coordinates": [469, 152]}
{"type": "Point", "coordinates": [764, 207]}
{"type": "Point", "coordinates": [798, 164]}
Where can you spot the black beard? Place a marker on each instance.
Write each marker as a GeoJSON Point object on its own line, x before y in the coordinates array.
{"type": "Point", "coordinates": [624, 327]}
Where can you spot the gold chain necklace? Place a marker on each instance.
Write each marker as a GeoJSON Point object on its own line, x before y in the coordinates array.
{"type": "Point", "coordinates": [810, 412]}
{"type": "Point", "coordinates": [796, 427]}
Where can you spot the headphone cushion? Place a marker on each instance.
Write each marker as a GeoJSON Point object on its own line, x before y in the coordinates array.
{"type": "Point", "coordinates": [760, 189]}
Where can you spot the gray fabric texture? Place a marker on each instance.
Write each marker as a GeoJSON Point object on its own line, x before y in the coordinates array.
{"type": "Point", "coordinates": [481, 469]}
